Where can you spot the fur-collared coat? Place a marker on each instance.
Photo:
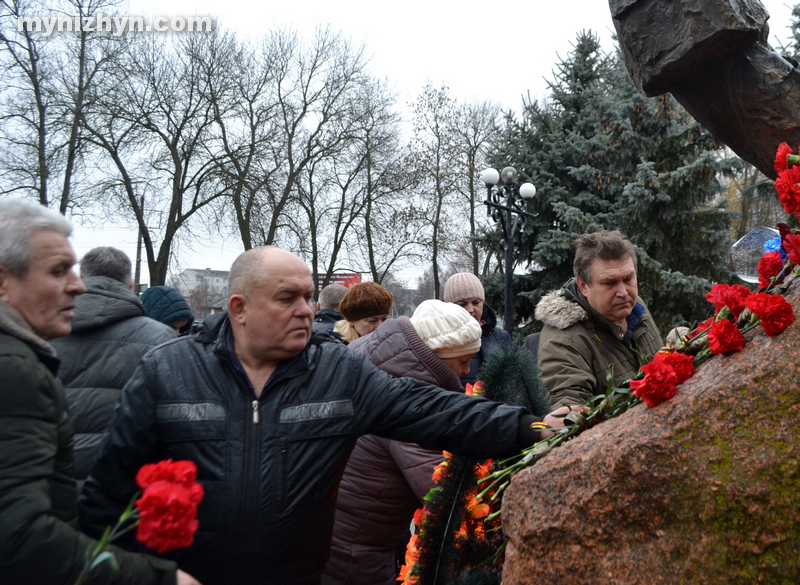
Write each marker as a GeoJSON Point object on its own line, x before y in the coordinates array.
{"type": "Point", "coordinates": [578, 346]}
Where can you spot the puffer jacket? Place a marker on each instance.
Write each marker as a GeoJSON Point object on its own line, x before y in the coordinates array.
{"type": "Point", "coordinates": [385, 480]}
{"type": "Point", "coordinates": [110, 335]}
{"type": "Point", "coordinates": [578, 346]}
{"type": "Point", "coordinates": [271, 465]}
{"type": "Point", "coordinates": [38, 513]}
{"type": "Point", "coordinates": [492, 339]}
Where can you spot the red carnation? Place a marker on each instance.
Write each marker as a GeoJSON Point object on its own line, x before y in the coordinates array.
{"type": "Point", "coordinates": [781, 164]}
{"type": "Point", "coordinates": [725, 337]}
{"type": "Point", "coordinates": [791, 243]}
{"type": "Point", "coordinates": [701, 327]}
{"type": "Point", "coordinates": [168, 506]}
{"type": "Point", "coordinates": [168, 470]}
{"type": "Point", "coordinates": [682, 364]}
{"type": "Point", "coordinates": [660, 382]}
{"type": "Point", "coordinates": [731, 296]}
{"type": "Point", "coordinates": [788, 189]}
{"type": "Point", "coordinates": [770, 266]}
{"type": "Point", "coordinates": [775, 312]}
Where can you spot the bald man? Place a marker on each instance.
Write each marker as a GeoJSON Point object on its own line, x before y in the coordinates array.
{"type": "Point", "coordinates": [270, 417]}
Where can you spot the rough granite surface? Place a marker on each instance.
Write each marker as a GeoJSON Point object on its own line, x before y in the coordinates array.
{"type": "Point", "coordinates": [702, 489]}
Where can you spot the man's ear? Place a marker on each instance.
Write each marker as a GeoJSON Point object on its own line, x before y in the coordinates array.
{"type": "Point", "coordinates": [582, 286]}
{"type": "Point", "coordinates": [236, 308]}
{"type": "Point", "coordinates": [4, 276]}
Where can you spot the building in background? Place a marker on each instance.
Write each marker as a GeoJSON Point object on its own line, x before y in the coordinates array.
{"type": "Point", "coordinates": [205, 290]}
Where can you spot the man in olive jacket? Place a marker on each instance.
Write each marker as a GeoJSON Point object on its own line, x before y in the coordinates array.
{"type": "Point", "coordinates": [39, 542]}
{"type": "Point", "coordinates": [596, 323]}
{"type": "Point", "coordinates": [270, 415]}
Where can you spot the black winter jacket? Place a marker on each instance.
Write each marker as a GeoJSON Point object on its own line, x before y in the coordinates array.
{"type": "Point", "coordinates": [39, 540]}
{"type": "Point", "coordinates": [324, 318]}
{"type": "Point", "coordinates": [110, 334]}
{"type": "Point", "coordinates": [492, 339]}
{"type": "Point", "coordinates": [271, 466]}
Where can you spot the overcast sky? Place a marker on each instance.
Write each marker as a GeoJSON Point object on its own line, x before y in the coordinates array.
{"type": "Point", "coordinates": [497, 51]}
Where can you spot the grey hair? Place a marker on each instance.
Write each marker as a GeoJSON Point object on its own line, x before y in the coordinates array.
{"type": "Point", "coordinates": [19, 219]}
{"type": "Point", "coordinates": [331, 296]}
{"type": "Point", "coordinates": [107, 261]}
{"type": "Point", "coordinates": [606, 245]}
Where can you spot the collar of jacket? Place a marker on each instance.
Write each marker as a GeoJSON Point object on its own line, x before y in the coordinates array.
{"type": "Point", "coordinates": [327, 316]}
{"type": "Point", "coordinates": [14, 324]}
{"type": "Point", "coordinates": [488, 320]}
{"type": "Point", "coordinates": [567, 306]}
{"type": "Point", "coordinates": [106, 301]}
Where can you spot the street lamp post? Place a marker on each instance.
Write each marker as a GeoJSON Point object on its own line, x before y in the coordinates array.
{"type": "Point", "coordinates": [505, 203]}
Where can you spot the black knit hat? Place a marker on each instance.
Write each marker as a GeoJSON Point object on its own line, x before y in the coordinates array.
{"type": "Point", "coordinates": [365, 299]}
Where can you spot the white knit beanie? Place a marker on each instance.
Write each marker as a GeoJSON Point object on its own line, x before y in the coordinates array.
{"type": "Point", "coordinates": [447, 329]}
{"type": "Point", "coordinates": [461, 286]}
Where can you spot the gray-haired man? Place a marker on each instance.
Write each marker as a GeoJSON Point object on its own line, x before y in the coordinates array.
{"type": "Point", "coordinates": [38, 511]}
{"type": "Point", "coordinates": [110, 334]}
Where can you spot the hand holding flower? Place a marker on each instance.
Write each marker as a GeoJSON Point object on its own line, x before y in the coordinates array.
{"type": "Point", "coordinates": [165, 515]}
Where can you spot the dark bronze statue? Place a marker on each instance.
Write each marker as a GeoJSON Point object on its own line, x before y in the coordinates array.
{"type": "Point", "coordinates": [713, 56]}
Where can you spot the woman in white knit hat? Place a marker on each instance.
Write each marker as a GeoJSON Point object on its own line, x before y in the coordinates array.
{"type": "Point", "coordinates": [385, 480]}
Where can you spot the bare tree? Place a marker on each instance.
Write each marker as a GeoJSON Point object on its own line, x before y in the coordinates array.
{"type": "Point", "coordinates": [436, 157]}
{"type": "Point", "coordinates": [46, 84]}
{"type": "Point", "coordinates": [153, 121]}
{"type": "Point", "coordinates": [476, 129]}
{"type": "Point", "coordinates": [26, 100]}
{"type": "Point", "coordinates": [200, 298]}
{"type": "Point", "coordinates": [314, 88]}
{"type": "Point", "coordinates": [351, 198]}
{"type": "Point", "coordinates": [245, 125]}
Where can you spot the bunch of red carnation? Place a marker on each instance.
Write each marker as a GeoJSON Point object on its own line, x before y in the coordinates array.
{"type": "Point", "coordinates": [168, 504]}
{"type": "Point", "coordinates": [773, 311]}
{"type": "Point", "coordinates": [662, 375]}
{"type": "Point", "coordinates": [725, 337]}
{"type": "Point", "coordinates": [770, 269]}
{"type": "Point", "coordinates": [788, 182]}
{"type": "Point", "coordinates": [732, 296]}
{"type": "Point", "coordinates": [165, 513]}
{"type": "Point", "coordinates": [774, 314]}
{"type": "Point", "coordinates": [670, 368]}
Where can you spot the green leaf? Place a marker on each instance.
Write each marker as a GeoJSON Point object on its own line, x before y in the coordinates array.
{"type": "Point", "coordinates": [102, 558]}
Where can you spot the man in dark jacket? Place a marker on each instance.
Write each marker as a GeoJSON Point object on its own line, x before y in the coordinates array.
{"type": "Point", "coordinates": [466, 290]}
{"type": "Point", "coordinates": [38, 511]}
{"type": "Point", "coordinates": [110, 334]}
{"type": "Point", "coordinates": [595, 323]}
{"type": "Point", "coordinates": [270, 420]}
{"type": "Point", "coordinates": [328, 307]}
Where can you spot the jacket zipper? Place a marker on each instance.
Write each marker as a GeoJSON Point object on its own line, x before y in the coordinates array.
{"type": "Point", "coordinates": [250, 492]}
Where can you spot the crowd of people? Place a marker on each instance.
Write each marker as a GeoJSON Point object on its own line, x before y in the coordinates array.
{"type": "Point", "coordinates": [315, 426]}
